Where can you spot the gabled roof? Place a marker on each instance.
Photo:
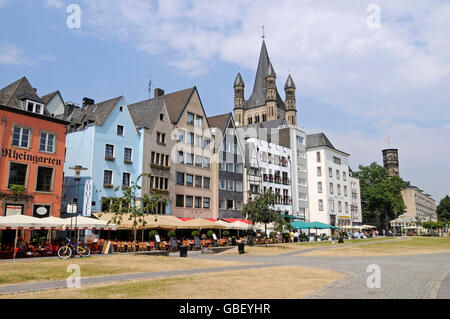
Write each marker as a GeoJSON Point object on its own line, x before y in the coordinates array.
{"type": "Point", "coordinates": [97, 113]}
{"type": "Point", "coordinates": [318, 140]}
{"type": "Point", "coordinates": [219, 121]}
{"type": "Point", "coordinates": [258, 97]}
{"type": "Point", "coordinates": [176, 103]}
{"type": "Point", "coordinates": [16, 91]}
{"type": "Point", "coordinates": [47, 98]}
{"type": "Point", "coordinates": [146, 113]}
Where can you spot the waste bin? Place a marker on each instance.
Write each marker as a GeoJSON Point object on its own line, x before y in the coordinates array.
{"type": "Point", "coordinates": [341, 240]}
{"type": "Point", "coordinates": [241, 248]}
{"type": "Point", "coordinates": [183, 251]}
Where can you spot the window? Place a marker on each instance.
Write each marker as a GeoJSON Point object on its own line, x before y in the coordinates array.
{"type": "Point", "coordinates": [180, 157]}
{"type": "Point", "coordinates": [344, 176]}
{"type": "Point", "coordinates": [321, 204]}
{"type": "Point", "coordinates": [198, 140]}
{"type": "Point", "coordinates": [17, 174]}
{"type": "Point", "coordinates": [160, 138]}
{"type": "Point", "coordinates": [238, 186]}
{"type": "Point", "coordinates": [47, 142]}
{"type": "Point", "coordinates": [222, 204]}
{"type": "Point", "coordinates": [339, 206]}
{"type": "Point", "coordinates": [120, 130]}
{"type": "Point", "coordinates": [180, 137]}
{"type": "Point", "coordinates": [230, 167]}
{"type": "Point", "coordinates": [206, 202]}
{"type": "Point", "coordinates": [230, 185]}
{"type": "Point", "coordinates": [190, 138]}
{"type": "Point", "coordinates": [229, 204]}
{"type": "Point", "coordinates": [338, 174]}
{"type": "Point", "coordinates": [199, 121]}
{"type": "Point", "coordinates": [21, 137]}
{"type": "Point", "coordinates": [198, 161]}
{"type": "Point", "coordinates": [330, 172]}
{"type": "Point", "coordinates": [319, 187]}
{"type": "Point", "coordinates": [206, 162]}
{"type": "Point", "coordinates": [44, 179]}
{"type": "Point", "coordinates": [180, 178]}
{"type": "Point", "coordinates": [331, 188]}
{"type": "Point", "coordinates": [109, 151]}
{"type": "Point", "coordinates": [238, 205]}
{"type": "Point", "coordinates": [346, 207]}
{"type": "Point", "coordinates": [345, 190]}
{"type": "Point", "coordinates": [198, 181]}
{"type": "Point", "coordinates": [126, 179]}
{"type": "Point", "coordinates": [318, 157]}
{"type": "Point", "coordinates": [299, 139]}
{"type": "Point", "coordinates": [336, 160]}
{"type": "Point", "coordinates": [161, 117]}
{"type": "Point", "coordinates": [206, 182]}
{"type": "Point", "coordinates": [198, 202]}
{"type": "Point", "coordinates": [127, 154]}
{"type": "Point", "coordinates": [222, 184]}
{"type": "Point", "coordinates": [189, 201]}
{"type": "Point", "coordinates": [190, 159]}
{"type": "Point", "coordinates": [339, 189]}
{"type": "Point", "coordinates": [319, 171]}
{"type": "Point", "coordinates": [239, 168]}
{"type": "Point", "coordinates": [107, 177]}
{"type": "Point", "coordinates": [190, 118]}
{"type": "Point", "coordinates": [35, 107]}
{"type": "Point", "coordinates": [180, 201]}
{"type": "Point", "coordinates": [189, 180]}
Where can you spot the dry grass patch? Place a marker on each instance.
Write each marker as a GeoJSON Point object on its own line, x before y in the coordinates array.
{"type": "Point", "coordinates": [412, 246]}
{"type": "Point", "coordinates": [284, 282]}
{"type": "Point", "coordinates": [13, 272]}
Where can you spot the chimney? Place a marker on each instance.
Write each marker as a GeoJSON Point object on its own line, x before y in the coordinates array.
{"type": "Point", "coordinates": [159, 92]}
{"type": "Point", "coordinates": [87, 101]}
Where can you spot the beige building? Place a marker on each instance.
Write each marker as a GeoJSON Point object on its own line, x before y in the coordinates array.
{"type": "Point", "coordinates": [152, 118]}
{"type": "Point", "coordinates": [191, 156]}
{"type": "Point", "coordinates": [418, 204]}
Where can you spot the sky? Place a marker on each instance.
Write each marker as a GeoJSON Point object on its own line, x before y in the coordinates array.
{"type": "Point", "coordinates": [369, 74]}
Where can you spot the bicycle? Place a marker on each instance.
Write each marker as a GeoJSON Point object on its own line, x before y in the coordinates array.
{"type": "Point", "coordinates": [65, 252]}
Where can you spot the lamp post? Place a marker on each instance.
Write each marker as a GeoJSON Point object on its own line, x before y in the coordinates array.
{"type": "Point", "coordinates": [77, 178]}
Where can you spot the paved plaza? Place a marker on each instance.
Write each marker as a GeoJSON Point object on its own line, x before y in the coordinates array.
{"type": "Point", "coordinates": [410, 277]}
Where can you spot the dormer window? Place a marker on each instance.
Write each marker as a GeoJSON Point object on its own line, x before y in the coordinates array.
{"type": "Point", "coordinates": [35, 107]}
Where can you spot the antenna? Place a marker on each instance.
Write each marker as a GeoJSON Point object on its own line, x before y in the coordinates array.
{"type": "Point", "coordinates": [150, 85]}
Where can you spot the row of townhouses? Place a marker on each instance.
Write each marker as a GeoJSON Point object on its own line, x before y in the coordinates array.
{"type": "Point", "coordinates": [63, 156]}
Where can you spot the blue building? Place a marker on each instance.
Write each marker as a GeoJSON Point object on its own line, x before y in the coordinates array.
{"type": "Point", "coordinates": [103, 139]}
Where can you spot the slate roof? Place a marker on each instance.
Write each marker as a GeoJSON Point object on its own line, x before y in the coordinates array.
{"type": "Point", "coordinates": [97, 113]}
{"type": "Point", "coordinates": [320, 139]}
{"type": "Point", "coordinates": [47, 98]}
{"type": "Point", "coordinates": [146, 113]}
{"type": "Point", "coordinates": [258, 97]}
{"type": "Point", "coordinates": [219, 121]}
{"type": "Point", "coordinates": [16, 91]}
{"type": "Point", "coordinates": [176, 102]}
{"type": "Point", "coordinates": [239, 81]}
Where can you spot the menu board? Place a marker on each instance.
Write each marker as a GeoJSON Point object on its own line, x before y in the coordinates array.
{"type": "Point", "coordinates": [214, 236]}
{"type": "Point", "coordinates": [158, 240]}
{"type": "Point", "coordinates": [173, 241]}
{"type": "Point", "coordinates": [197, 242]}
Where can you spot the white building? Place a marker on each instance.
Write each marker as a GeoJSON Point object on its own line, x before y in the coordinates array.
{"type": "Point", "coordinates": [355, 202]}
{"type": "Point", "coordinates": [328, 182]}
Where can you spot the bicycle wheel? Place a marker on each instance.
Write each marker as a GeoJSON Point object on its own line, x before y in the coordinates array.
{"type": "Point", "coordinates": [84, 251]}
{"type": "Point", "coordinates": [64, 252]}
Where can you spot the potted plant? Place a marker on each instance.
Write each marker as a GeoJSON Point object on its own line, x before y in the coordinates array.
{"type": "Point", "coordinates": [233, 240]}
{"type": "Point", "coordinates": [152, 234]}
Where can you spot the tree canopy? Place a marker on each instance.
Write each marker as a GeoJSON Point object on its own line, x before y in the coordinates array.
{"type": "Point", "coordinates": [443, 209]}
{"type": "Point", "coordinates": [380, 194]}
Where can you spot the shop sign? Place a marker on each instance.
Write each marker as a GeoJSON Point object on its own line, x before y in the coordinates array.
{"type": "Point", "coordinates": [26, 157]}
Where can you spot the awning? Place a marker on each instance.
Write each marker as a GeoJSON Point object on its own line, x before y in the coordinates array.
{"type": "Point", "coordinates": [289, 216]}
{"type": "Point", "coordinates": [233, 220]}
{"type": "Point", "coordinates": [87, 223]}
{"type": "Point", "coordinates": [300, 225]}
{"type": "Point", "coordinates": [319, 225]}
{"type": "Point", "coordinates": [152, 221]}
{"type": "Point", "coordinates": [201, 223]}
{"type": "Point", "coordinates": [28, 222]}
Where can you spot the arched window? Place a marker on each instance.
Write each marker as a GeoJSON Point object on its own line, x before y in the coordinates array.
{"type": "Point", "coordinates": [249, 120]}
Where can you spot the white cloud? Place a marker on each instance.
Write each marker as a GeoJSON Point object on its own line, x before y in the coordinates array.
{"type": "Point", "coordinates": [54, 4]}
{"type": "Point", "coordinates": [11, 54]}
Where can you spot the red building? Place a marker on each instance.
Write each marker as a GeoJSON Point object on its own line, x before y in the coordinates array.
{"type": "Point", "coordinates": [32, 144]}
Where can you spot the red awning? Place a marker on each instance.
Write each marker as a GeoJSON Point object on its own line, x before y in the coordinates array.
{"type": "Point", "coordinates": [233, 220]}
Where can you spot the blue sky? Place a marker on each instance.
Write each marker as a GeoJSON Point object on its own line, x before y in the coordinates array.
{"type": "Point", "coordinates": [357, 83]}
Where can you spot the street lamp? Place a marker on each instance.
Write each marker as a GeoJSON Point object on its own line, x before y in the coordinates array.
{"type": "Point", "coordinates": [77, 169]}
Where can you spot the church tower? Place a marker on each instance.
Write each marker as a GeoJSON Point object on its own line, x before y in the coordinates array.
{"type": "Point", "coordinates": [239, 99]}
{"type": "Point", "coordinates": [291, 109]}
{"type": "Point", "coordinates": [271, 93]}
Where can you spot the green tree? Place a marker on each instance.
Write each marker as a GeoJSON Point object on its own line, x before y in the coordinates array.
{"type": "Point", "coordinates": [443, 210]}
{"type": "Point", "coordinates": [381, 196]}
{"type": "Point", "coordinates": [260, 210]}
{"type": "Point", "coordinates": [128, 205]}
